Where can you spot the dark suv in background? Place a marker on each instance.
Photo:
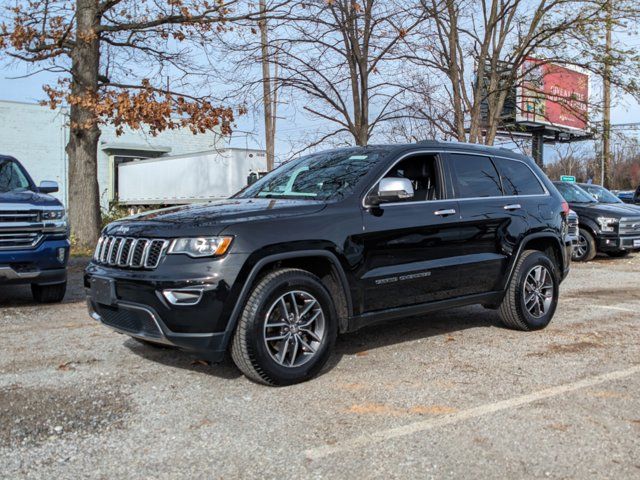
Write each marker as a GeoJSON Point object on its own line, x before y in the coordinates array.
{"type": "Point", "coordinates": [331, 242]}
{"type": "Point", "coordinates": [607, 225]}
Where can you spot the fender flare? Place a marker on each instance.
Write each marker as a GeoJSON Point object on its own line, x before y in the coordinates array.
{"type": "Point", "coordinates": [523, 244]}
{"type": "Point", "coordinates": [246, 288]}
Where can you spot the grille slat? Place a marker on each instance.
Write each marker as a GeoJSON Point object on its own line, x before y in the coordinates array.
{"type": "Point", "coordinates": [126, 252]}
{"type": "Point", "coordinates": [629, 226]}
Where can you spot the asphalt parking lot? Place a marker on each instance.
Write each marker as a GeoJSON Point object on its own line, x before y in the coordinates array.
{"type": "Point", "coordinates": [453, 395]}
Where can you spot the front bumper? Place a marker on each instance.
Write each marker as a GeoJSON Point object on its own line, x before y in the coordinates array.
{"type": "Point", "coordinates": [141, 321]}
{"type": "Point", "coordinates": [139, 307]}
{"type": "Point", "coordinates": [616, 243]}
{"type": "Point", "coordinates": [40, 265]}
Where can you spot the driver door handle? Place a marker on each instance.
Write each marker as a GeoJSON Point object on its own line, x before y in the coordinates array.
{"type": "Point", "coordinates": [442, 213]}
{"type": "Point", "coordinates": [513, 206]}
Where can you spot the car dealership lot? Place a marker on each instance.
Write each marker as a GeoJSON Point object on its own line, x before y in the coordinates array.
{"type": "Point", "coordinates": [452, 395]}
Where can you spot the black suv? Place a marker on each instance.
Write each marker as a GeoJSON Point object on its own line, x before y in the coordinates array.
{"type": "Point", "coordinates": [606, 223]}
{"type": "Point", "coordinates": [331, 242]}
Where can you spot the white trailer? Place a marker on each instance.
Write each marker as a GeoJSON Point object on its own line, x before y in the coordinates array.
{"type": "Point", "coordinates": [180, 179]}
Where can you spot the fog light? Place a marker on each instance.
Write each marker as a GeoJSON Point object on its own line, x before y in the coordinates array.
{"type": "Point", "coordinates": [185, 296]}
{"type": "Point", "coordinates": [61, 255]}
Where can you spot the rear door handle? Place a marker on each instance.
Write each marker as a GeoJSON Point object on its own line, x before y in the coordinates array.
{"type": "Point", "coordinates": [442, 213]}
{"type": "Point", "coordinates": [513, 206]}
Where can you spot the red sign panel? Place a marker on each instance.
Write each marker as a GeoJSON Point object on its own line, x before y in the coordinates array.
{"type": "Point", "coordinates": [552, 94]}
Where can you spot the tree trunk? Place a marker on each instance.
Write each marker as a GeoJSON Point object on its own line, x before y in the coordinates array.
{"type": "Point", "coordinates": [267, 98]}
{"type": "Point", "coordinates": [82, 149]}
{"type": "Point", "coordinates": [606, 94]}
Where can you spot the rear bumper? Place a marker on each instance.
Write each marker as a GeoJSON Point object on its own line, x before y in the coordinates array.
{"type": "Point", "coordinates": [615, 243]}
{"type": "Point", "coordinates": [40, 265]}
{"type": "Point", "coordinates": [141, 321]}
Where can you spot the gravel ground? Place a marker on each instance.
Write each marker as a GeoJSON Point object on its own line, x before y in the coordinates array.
{"type": "Point", "coordinates": [452, 395]}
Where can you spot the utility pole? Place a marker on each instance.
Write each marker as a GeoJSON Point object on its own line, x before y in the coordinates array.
{"type": "Point", "coordinates": [605, 170]}
{"type": "Point", "coordinates": [268, 92]}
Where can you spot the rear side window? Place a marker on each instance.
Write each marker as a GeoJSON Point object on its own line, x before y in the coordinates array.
{"type": "Point", "coordinates": [517, 178]}
{"type": "Point", "coordinates": [474, 176]}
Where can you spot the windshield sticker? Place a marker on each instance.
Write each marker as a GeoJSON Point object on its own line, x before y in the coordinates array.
{"type": "Point", "coordinates": [358, 157]}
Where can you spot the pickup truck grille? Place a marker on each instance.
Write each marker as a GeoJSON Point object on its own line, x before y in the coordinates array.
{"type": "Point", "coordinates": [19, 240]}
{"type": "Point", "coordinates": [629, 226]}
{"type": "Point", "coordinates": [127, 252]}
{"type": "Point", "coordinates": [20, 229]}
{"type": "Point", "coordinates": [573, 225]}
{"type": "Point", "coordinates": [13, 216]}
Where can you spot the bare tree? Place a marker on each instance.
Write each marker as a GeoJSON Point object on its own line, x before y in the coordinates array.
{"type": "Point", "coordinates": [123, 62]}
{"type": "Point", "coordinates": [345, 57]}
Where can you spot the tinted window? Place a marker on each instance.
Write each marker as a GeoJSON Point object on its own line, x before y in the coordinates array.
{"type": "Point", "coordinates": [327, 175]}
{"type": "Point", "coordinates": [474, 176]}
{"type": "Point", "coordinates": [574, 194]}
{"type": "Point", "coordinates": [11, 177]}
{"type": "Point", "coordinates": [517, 178]}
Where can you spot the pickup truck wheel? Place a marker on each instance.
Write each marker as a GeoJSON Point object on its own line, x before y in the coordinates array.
{"type": "Point", "coordinates": [287, 329]}
{"type": "Point", "coordinates": [532, 295]}
{"type": "Point", "coordinates": [49, 293]}
{"type": "Point", "coordinates": [585, 249]}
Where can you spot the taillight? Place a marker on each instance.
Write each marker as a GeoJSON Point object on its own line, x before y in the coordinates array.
{"type": "Point", "coordinates": [565, 208]}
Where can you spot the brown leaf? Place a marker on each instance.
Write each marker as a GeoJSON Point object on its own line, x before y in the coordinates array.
{"type": "Point", "coordinates": [200, 362]}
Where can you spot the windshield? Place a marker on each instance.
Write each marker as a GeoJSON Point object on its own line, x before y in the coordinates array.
{"type": "Point", "coordinates": [12, 177]}
{"type": "Point", "coordinates": [574, 194]}
{"type": "Point", "coordinates": [602, 194]}
{"type": "Point", "coordinates": [329, 175]}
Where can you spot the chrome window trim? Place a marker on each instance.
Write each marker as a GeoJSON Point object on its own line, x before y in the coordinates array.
{"type": "Point", "coordinates": [456, 199]}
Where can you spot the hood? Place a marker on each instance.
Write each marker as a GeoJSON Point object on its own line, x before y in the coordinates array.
{"type": "Point", "coordinates": [209, 218]}
{"type": "Point", "coordinates": [633, 210]}
{"type": "Point", "coordinates": [615, 210]}
{"type": "Point", "coordinates": [28, 198]}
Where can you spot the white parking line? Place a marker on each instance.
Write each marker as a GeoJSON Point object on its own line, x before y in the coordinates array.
{"type": "Point", "coordinates": [404, 430]}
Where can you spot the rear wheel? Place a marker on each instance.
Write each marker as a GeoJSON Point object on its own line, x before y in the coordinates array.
{"type": "Point", "coordinates": [532, 296]}
{"type": "Point", "coordinates": [585, 249]}
{"type": "Point", "coordinates": [49, 293]}
{"type": "Point", "coordinates": [287, 329]}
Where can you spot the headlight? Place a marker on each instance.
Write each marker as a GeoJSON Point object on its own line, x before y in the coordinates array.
{"type": "Point", "coordinates": [608, 224]}
{"type": "Point", "coordinates": [53, 214]}
{"type": "Point", "coordinates": [201, 246]}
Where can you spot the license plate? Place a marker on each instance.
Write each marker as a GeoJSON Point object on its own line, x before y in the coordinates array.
{"type": "Point", "coordinates": [636, 243]}
{"type": "Point", "coordinates": [103, 290]}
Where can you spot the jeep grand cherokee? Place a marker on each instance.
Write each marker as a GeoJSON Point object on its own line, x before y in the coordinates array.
{"type": "Point", "coordinates": [331, 242]}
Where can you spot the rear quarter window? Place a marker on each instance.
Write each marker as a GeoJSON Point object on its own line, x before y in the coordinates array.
{"type": "Point", "coordinates": [517, 178]}
{"type": "Point", "coordinates": [474, 176]}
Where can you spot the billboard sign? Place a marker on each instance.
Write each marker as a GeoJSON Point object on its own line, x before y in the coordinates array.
{"type": "Point", "coordinates": [553, 95]}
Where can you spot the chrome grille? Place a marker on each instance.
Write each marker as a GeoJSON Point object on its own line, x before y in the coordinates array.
{"type": "Point", "coordinates": [573, 225]}
{"type": "Point", "coordinates": [629, 226]}
{"type": "Point", "coordinates": [15, 216]}
{"type": "Point", "coordinates": [127, 252]}
{"type": "Point", "coordinates": [19, 240]}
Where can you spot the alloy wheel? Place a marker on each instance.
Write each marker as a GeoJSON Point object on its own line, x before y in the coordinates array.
{"type": "Point", "coordinates": [538, 291]}
{"type": "Point", "coordinates": [294, 328]}
{"type": "Point", "coordinates": [580, 249]}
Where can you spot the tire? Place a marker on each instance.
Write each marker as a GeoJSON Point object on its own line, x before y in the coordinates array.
{"type": "Point", "coordinates": [297, 356]}
{"type": "Point", "coordinates": [619, 253]}
{"type": "Point", "coordinates": [516, 308]}
{"type": "Point", "coordinates": [49, 293]}
{"type": "Point", "coordinates": [586, 248]}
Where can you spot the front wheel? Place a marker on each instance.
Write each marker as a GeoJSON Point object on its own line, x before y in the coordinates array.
{"type": "Point", "coordinates": [532, 295]}
{"type": "Point", "coordinates": [585, 249]}
{"type": "Point", "coordinates": [287, 329]}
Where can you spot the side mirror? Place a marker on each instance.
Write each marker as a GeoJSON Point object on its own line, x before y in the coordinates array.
{"type": "Point", "coordinates": [392, 189]}
{"type": "Point", "coordinates": [47, 186]}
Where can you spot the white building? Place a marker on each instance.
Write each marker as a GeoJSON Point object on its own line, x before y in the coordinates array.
{"type": "Point", "coordinates": [37, 136]}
